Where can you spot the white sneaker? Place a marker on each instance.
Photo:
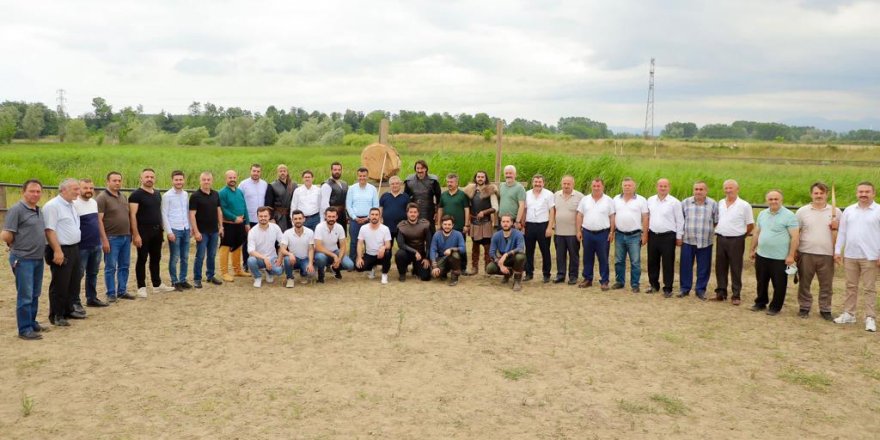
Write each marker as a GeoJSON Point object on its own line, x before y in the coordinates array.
{"type": "Point", "coordinates": [870, 324]}
{"type": "Point", "coordinates": [163, 288]}
{"type": "Point", "coordinates": [384, 278]}
{"type": "Point", "coordinates": [269, 278]}
{"type": "Point", "coordinates": [371, 274]}
{"type": "Point", "coordinates": [845, 318]}
{"type": "Point", "coordinates": [258, 282]}
{"type": "Point", "coordinates": [290, 283]}
{"type": "Point", "coordinates": [142, 292]}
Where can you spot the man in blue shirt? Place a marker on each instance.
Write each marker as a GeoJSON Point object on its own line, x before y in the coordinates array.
{"type": "Point", "coordinates": [508, 249]}
{"type": "Point", "coordinates": [447, 247]}
{"type": "Point", "coordinates": [359, 200]}
{"type": "Point", "coordinates": [774, 246]}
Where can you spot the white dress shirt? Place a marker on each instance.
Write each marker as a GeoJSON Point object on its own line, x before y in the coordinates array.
{"type": "Point", "coordinates": [538, 206]}
{"type": "Point", "coordinates": [597, 214]}
{"type": "Point", "coordinates": [254, 195]}
{"type": "Point", "coordinates": [665, 215]}
{"type": "Point", "coordinates": [175, 210]}
{"type": "Point", "coordinates": [307, 200]}
{"type": "Point", "coordinates": [858, 235]}
{"type": "Point", "coordinates": [733, 220]}
{"type": "Point", "coordinates": [628, 213]}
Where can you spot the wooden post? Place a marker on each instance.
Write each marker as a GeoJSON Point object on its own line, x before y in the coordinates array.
{"type": "Point", "coordinates": [383, 132]}
{"type": "Point", "coordinates": [499, 132]}
{"type": "Point", "coordinates": [2, 203]}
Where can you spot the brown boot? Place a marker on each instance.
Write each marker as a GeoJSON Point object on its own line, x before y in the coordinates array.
{"type": "Point", "coordinates": [236, 264]}
{"type": "Point", "coordinates": [224, 264]}
{"type": "Point", "coordinates": [517, 281]}
{"type": "Point", "coordinates": [475, 258]}
{"type": "Point", "coordinates": [487, 258]}
{"type": "Point", "coordinates": [453, 279]}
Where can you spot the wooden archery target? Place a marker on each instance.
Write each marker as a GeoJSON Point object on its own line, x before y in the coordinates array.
{"type": "Point", "coordinates": [373, 156]}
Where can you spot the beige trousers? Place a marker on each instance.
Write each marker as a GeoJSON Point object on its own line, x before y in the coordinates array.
{"type": "Point", "coordinates": [864, 272]}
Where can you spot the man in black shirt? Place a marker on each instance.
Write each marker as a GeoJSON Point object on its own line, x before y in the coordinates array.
{"type": "Point", "coordinates": [413, 240]}
{"type": "Point", "coordinates": [278, 196]}
{"type": "Point", "coordinates": [205, 218]}
{"type": "Point", "coordinates": [145, 211]}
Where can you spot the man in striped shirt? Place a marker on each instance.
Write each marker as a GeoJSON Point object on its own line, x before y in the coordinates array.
{"type": "Point", "coordinates": [700, 217]}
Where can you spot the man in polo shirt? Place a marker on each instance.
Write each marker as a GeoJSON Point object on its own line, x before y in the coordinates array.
{"type": "Point", "coordinates": [175, 218]}
{"type": "Point", "coordinates": [279, 195]}
{"type": "Point", "coordinates": [568, 248]}
{"type": "Point", "coordinates": [735, 222]}
{"type": "Point", "coordinates": [307, 199]}
{"type": "Point", "coordinates": [413, 239]}
{"type": "Point", "coordinates": [393, 205]}
{"type": "Point", "coordinates": [297, 249]}
{"type": "Point", "coordinates": [360, 199]}
{"type": "Point", "coordinates": [773, 248]}
{"type": "Point", "coordinates": [374, 246]}
{"type": "Point", "coordinates": [330, 246]}
{"type": "Point", "coordinates": [540, 218]}
{"type": "Point", "coordinates": [858, 248]}
{"type": "Point", "coordinates": [23, 232]}
{"type": "Point", "coordinates": [254, 191]}
{"type": "Point", "coordinates": [115, 228]}
{"type": "Point", "coordinates": [700, 215]}
{"type": "Point", "coordinates": [236, 225]}
{"type": "Point", "coordinates": [508, 249]}
{"type": "Point", "coordinates": [424, 190]}
{"type": "Point", "coordinates": [205, 218]}
{"type": "Point", "coordinates": [62, 253]}
{"type": "Point", "coordinates": [512, 198]}
{"type": "Point", "coordinates": [665, 228]}
{"type": "Point", "coordinates": [90, 243]}
{"type": "Point", "coordinates": [595, 219]}
{"type": "Point", "coordinates": [333, 193]}
{"type": "Point", "coordinates": [145, 214]}
{"type": "Point", "coordinates": [631, 233]}
{"type": "Point", "coordinates": [447, 247]}
{"type": "Point", "coordinates": [818, 222]}
{"type": "Point", "coordinates": [455, 203]}
{"type": "Point", "coordinates": [262, 239]}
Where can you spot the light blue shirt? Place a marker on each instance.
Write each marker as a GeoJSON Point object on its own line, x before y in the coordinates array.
{"type": "Point", "coordinates": [359, 200]}
{"type": "Point", "coordinates": [60, 216]}
{"type": "Point", "coordinates": [775, 238]}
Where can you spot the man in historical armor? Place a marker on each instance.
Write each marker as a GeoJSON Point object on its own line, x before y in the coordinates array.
{"type": "Point", "coordinates": [333, 193]}
{"type": "Point", "coordinates": [278, 197]}
{"type": "Point", "coordinates": [424, 190]}
{"type": "Point", "coordinates": [484, 204]}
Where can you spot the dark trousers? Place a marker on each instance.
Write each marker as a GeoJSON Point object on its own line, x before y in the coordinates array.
{"type": "Point", "coordinates": [450, 263]}
{"type": "Point", "coordinates": [354, 228]}
{"type": "Point", "coordinates": [729, 259]}
{"type": "Point", "coordinates": [596, 246]}
{"type": "Point", "coordinates": [661, 250]}
{"type": "Point", "coordinates": [703, 257]}
{"type": "Point", "coordinates": [371, 261]}
{"type": "Point", "coordinates": [244, 252]}
{"type": "Point", "coordinates": [768, 270]}
{"type": "Point", "coordinates": [568, 255]}
{"type": "Point", "coordinates": [66, 278]}
{"type": "Point", "coordinates": [151, 247]}
{"type": "Point", "coordinates": [536, 235]}
{"type": "Point", "coordinates": [516, 262]}
{"type": "Point", "coordinates": [404, 258]}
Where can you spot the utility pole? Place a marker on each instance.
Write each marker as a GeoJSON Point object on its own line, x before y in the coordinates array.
{"type": "Point", "coordinates": [649, 111]}
{"type": "Point", "coordinates": [61, 100]}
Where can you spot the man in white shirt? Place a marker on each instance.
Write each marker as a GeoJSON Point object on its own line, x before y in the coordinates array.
{"type": "Point", "coordinates": [665, 229]}
{"type": "Point", "coordinates": [254, 191]}
{"type": "Point", "coordinates": [62, 253]}
{"type": "Point", "coordinates": [858, 248]}
{"type": "Point", "coordinates": [298, 249]}
{"type": "Point", "coordinates": [175, 219]}
{"type": "Point", "coordinates": [595, 219]}
{"type": "Point", "coordinates": [540, 221]}
{"type": "Point", "coordinates": [818, 222]}
{"type": "Point", "coordinates": [330, 248]}
{"type": "Point", "coordinates": [630, 234]}
{"type": "Point", "coordinates": [261, 248]}
{"type": "Point", "coordinates": [307, 199]}
{"type": "Point", "coordinates": [374, 246]}
{"type": "Point", "coordinates": [735, 222]}
{"type": "Point", "coordinates": [566, 202]}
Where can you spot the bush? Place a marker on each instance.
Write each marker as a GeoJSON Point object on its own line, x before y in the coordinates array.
{"type": "Point", "coordinates": [287, 138]}
{"type": "Point", "coordinates": [192, 136]}
{"type": "Point", "coordinates": [358, 140]}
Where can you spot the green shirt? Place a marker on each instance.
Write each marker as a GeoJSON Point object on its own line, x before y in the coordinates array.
{"type": "Point", "coordinates": [455, 205]}
{"type": "Point", "coordinates": [511, 195]}
{"type": "Point", "coordinates": [774, 239]}
{"type": "Point", "coordinates": [233, 205]}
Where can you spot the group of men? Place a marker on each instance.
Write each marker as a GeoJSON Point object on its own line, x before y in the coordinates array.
{"type": "Point", "coordinates": [264, 230]}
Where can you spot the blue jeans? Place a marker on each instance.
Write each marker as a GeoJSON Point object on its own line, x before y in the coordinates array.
{"type": "Point", "coordinates": [179, 252]}
{"type": "Point", "coordinates": [627, 245]}
{"type": "Point", "coordinates": [300, 264]}
{"type": "Point", "coordinates": [353, 229]}
{"type": "Point", "coordinates": [208, 245]}
{"type": "Point", "coordinates": [322, 261]}
{"type": "Point", "coordinates": [703, 257]}
{"type": "Point", "coordinates": [255, 264]}
{"type": "Point", "coordinates": [28, 283]}
{"type": "Point", "coordinates": [90, 263]}
{"type": "Point", "coordinates": [596, 246]}
{"type": "Point", "coordinates": [312, 222]}
{"type": "Point", "coordinates": [116, 265]}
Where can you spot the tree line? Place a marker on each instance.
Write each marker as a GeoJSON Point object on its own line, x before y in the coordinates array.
{"type": "Point", "coordinates": [765, 131]}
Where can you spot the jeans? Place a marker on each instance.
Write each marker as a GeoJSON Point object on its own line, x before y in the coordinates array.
{"type": "Point", "coordinates": [116, 265]}
{"type": "Point", "coordinates": [90, 263]}
{"type": "Point", "coordinates": [207, 245]}
{"type": "Point", "coordinates": [28, 283]}
{"type": "Point", "coordinates": [353, 229]}
{"type": "Point", "coordinates": [322, 261]}
{"type": "Point", "coordinates": [312, 222]}
{"type": "Point", "coordinates": [703, 257]}
{"type": "Point", "coordinates": [179, 251]}
{"type": "Point", "coordinates": [630, 245]}
{"type": "Point", "coordinates": [255, 264]}
{"type": "Point", "coordinates": [300, 264]}
{"type": "Point", "coordinates": [596, 246]}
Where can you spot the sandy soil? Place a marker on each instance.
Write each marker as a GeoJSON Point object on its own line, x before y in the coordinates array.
{"type": "Point", "coordinates": [353, 359]}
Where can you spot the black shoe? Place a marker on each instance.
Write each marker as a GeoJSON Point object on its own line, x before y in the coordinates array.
{"type": "Point", "coordinates": [320, 280]}
{"type": "Point", "coordinates": [617, 286]}
{"type": "Point", "coordinates": [757, 308]}
{"type": "Point", "coordinates": [337, 274]}
{"type": "Point", "coordinates": [37, 327]}
{"type": "Point", "coordinates": [635, 290]}
{"type": "Point", "coordinates": [197, 284]}
{"type": "Point", "coordinates": [216, 281]}
{"type": "Point", "coordinates": [126, 295]}
{"type": "Point", "coordinates": [572, 281]}
{"type": "Point", "coordinates": [667, 294]}
{"type": "Point", "coordinates": [79, 308]}
{"type": "Point", "coordinates": [803, 313]}
{"type": "Point", "coordinates": [528, 277]}
{"type": "Point", "coordinates": [650, 290]}
{"type": "Point", "coordinates": [111, 299]}
{"type": "Point", "coordinates": [546, 279]}
{"type": "Point", "coordinates": [558, 280]}
{"type": "Point", "coordinates": [827, 316]}
{"type": "Point", "coordinates": [30, 336]}
{"type": "Point", "coordinates": [402, 277]}
{"type": "Point", "coordinates": [96, 303]}
{"type": "Point", "coordinates": [76, 315]}
{"type": "Point", "coordinates": [59, 321]}
{"type": "Point", "coordinates": [185, 286]}
{"type": "Point", "coordinates": [177, 287]}
{"type": "Point", "coordinates": [701, 296]}
{"type": "Point", "coordinates": [683, 294]}
{"type": "Point", "coordinates": [772, 312]}
{"type": "Point", "coordinates": [505, 279]}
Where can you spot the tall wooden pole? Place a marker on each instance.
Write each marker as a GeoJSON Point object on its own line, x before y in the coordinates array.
{"type": "Point", "coordinates": [499, 132]}
{"type": "Point", "coordinates": [383, 132]}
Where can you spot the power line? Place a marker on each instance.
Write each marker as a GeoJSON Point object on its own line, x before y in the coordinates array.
{"type": "Point", "coordinates": [649, 111]}
{"type": "Point", "coordinates": [61, 100]}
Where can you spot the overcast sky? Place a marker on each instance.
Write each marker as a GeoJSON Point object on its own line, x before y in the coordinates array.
{"type": "Point", "coordinates": [717, 61]}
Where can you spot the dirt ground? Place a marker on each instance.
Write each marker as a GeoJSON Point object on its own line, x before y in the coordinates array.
{"type": "Point", "coordinates": [354, 359]}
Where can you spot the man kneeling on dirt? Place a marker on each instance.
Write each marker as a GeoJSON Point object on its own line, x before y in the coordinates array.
{"type": "Point", "coordinates": [447, 247]}
{"type": "Point", "coordinates": [508, 253]}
